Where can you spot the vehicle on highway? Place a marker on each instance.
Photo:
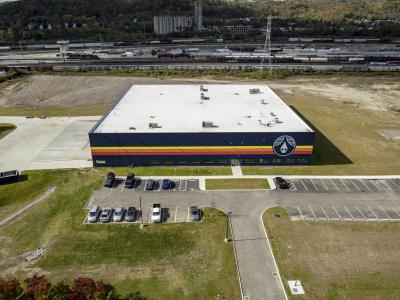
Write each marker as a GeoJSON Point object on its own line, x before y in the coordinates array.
{"type": "Point", "coordinates": [195, 213]}
{"type": "Point", "coordinates": [118, 214]}
{"type": "Point", "coordinates": [131, 213]}
{"type": "Point", "coordinates": [94, 214]}
{"type": "Point", "coordinates": [156, 213]}
{"type": "Point", "coordinates": [106, 215]}
{"type": "Point", "coordinates": [282, 183]}
{"type": "Point", "coordinates": [109, 180]}
{"type": "Point", "coordinates": [166, 184]}
{"type": "Point", "coordinates": [129, 180]}
{"type": "Point", "coordinates": [150, 184]}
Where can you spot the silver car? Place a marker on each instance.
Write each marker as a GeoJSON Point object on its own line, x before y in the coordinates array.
{"type": "Point", "coordinates": [118, 214]}
{"type": "Point", "coordinates": [93, 214]}
{"type": "Point", "coordinates": [106, 215]}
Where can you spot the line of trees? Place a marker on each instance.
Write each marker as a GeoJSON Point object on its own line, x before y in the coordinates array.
{"type": "Point", "coordinates": [40, 288]}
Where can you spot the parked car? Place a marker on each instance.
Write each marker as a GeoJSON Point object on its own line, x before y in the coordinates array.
{"type": "Point", "coordinates": [130, 180]}
{"type": "Point", "coordinates": [166, 184]}
{"type": "Point", "coordinates": [130, 215]}
{"type": "Point", "coordinates": [282, 183]}
{"type": "Point", "coordinates": [195, 213]}
{"type": "Point", "coordinates": [109, 180]}
{"type": "Point", "coordinates": [156, 213]}
{"type": "Point", "coordinates": [106, 215]}
{"type": "Point", "coordinates": [150, 184]}
{"type": "Point", "coordinates": [118, 214]}
{"type": "Point", "coordinates": [94, 214]}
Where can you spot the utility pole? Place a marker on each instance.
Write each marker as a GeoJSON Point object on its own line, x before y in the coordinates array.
{"type": "Point", "coordinates": [228, 215]}
{"type": "Point", "coordinates": [267, 45]}
{"type": "Point", "coordinates": [141, 213]}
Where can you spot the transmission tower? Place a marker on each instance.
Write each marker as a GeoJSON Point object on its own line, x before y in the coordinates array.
{"type": "Point", "coordinates": [267, 45]}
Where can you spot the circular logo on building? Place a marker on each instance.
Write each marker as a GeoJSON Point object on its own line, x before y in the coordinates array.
{"type": "Point", "coordinates": [284, 145]}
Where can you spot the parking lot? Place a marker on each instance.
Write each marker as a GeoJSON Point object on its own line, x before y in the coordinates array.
{"type": "Point", "coordinates": [343, 213]}
{"type": "Point", "coordinates": [179, 185]}
{"type": "Point", "coordinates": [168, 215]}
{"type": "Point", "coordinates": [316, 185]}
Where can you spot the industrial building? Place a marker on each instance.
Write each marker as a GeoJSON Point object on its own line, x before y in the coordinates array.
{"type": "Point", "coordinates": [169, 24]}
{"type": "Point", "coordinates": [200, 125]}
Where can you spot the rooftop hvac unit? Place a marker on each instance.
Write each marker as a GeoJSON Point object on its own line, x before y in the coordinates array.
{"type": "Point", "coordinates": [264, 102]}
{"type": "Point", "coordinates": [132, 128]}
{"type": "Point", "coordinates": [203, 89]}
{"type": "Point", "coordinates": [154, 125]}
{"type": "Point", "coordinates": [208, 124]}
{"type": "Point", "coordinates": [203, 97]}
{"type": "Point", "coordinates": [254, 91]}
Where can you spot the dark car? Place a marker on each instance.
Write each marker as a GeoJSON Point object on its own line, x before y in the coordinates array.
{"type": "Point", "coordinates": [150, 184]}
{"type": "Point", "coordinates": [166, 184]}
{"type": "Point", "coordinates": [131, 214]}
{"type": "Point", "coordinates": [282, 183]}
{"type": "Point", "coordinates": [129, 181]}
{"type": "Point", "coordinates": [195, 213]}
{"type": "Point", "coordinates": [109, 180]}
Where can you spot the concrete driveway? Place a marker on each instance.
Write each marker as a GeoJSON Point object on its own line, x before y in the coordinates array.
{"type": "Point", "coordinates": [51, 143]}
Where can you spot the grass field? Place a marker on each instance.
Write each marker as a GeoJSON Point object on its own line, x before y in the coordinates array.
{"type": "Point", "coordinates": [235, 184]}
{"type": "Point", "coordinates": [172, 171]}
{"type": "Point", "coordinates": [337, 260]}
{"type": "Point", "coordinates": [171, 261]}
{"type": "Point", "coordinates": [5, 129]}
{"type": "Point", "coordinates": [346, 140]}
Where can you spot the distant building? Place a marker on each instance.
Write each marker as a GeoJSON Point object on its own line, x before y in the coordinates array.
{"type": "Point", "coordinates": [66, 25]}
{"type": "Point", "coordinates": [198, 15]}
{"type": "Point", "coordinates": [169, 24]}
{"type": "Point", "coordinates": [31, 26]}
{"type": "Point", "coordinates": [74, 26]}
{"type": "Point", "coordinates": [49, 27]}
{"type": "Point", "coordinates": [40, 27]}
{"type": "Point", "coordinates": [238, 28]}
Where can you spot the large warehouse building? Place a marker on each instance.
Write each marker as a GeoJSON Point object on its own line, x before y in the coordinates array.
{"type": "Point", "coordinates": [200, 125]}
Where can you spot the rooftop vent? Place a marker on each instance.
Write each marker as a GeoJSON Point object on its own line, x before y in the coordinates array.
{"type": "Point", "coordinates": [154, 125]}
{"type": "Point", "coordinates": [203, 97]}
{"type": "Point", "coordinates": [203, 89]}
{"type": "Point", "coordinates": [132, 128]}
{"type": "Point", "coordinates": [263, 102]}
{"type": "Point", "coordinates": [254, 91]}
{"type": "Point", "coordinates": [208, 124]}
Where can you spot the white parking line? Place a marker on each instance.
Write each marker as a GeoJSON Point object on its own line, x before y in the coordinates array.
{"type": "Point", "coordinates": [150, 216]}
{"type": "Point", "coordinates": [372, 181]}
{"type": "Point", "coordinates": [176, 213]}
{"type": "Point", "coordinates": [359, 210]}
{"type": "Point", "coordinates": [334, 208]}
{"type": "Point", "coordinates": [313, 184]}
{"type": "Point", "coordinates": [313, 213]}
{"type": "Point", "coordinates": [144, 186]}
{"type": "Point", "coordinates": [341, 180]}
{"type": "Point", "coordinates": [325, 213]}
{"type": "Point", "coordinates": [394, 183]}
{"type": "Point", "coordinates": [294, 186]}
{"type": "Point", "coordinates": [365, 185]}
{"type": "Point", "coordinates": [351, 216]}
{"type": "Point", "coordinates": [389, 218]}
{"type": "Point", "coordinates": [324, 184]}
{"type": "Point", "coordinates": [354, 184]}
{"type": "Point", "coordinates": [373, 213]}
{"type": "Point", "coordinates": [301, 214]}
{"type": "Point", "coordinates": [303, 184]}
{"type": "Point", "coordinates": [383, 182]}
{"type": "Point", "coordinates": [157, 185]}
{"type": "Point", "coordinates": [395, 211]}
{"type": "Point", "coordinates": [334, 184]}
{"type": "Point", "coordinates": [188, 215]}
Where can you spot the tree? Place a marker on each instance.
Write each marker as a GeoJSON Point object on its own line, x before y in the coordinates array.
{"type": "Point", "coordinates": [10, 289]}
{"type": "Point", "coordinates": [37, 288]}
{"type": "Point", "coordinates": [60, 291]}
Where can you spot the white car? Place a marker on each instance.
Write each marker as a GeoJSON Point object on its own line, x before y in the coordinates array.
{"type": "Point", "coordinates": [118, 214]}
{"type": "Point", "coordinates": [156, 213]}
{"type": "Point", "coordinates": [94, 214]}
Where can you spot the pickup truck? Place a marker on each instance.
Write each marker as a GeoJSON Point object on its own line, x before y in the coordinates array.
{"type": "Point", "coordinates": [156, 213]}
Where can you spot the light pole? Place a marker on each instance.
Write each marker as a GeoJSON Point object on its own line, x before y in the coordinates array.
{"type": "Point", "coordinates": [227, 226]}
{"type": "Point", "coordinates": [141, 213]}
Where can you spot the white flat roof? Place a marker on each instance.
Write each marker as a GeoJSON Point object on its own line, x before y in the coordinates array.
{"type": "Point", "coordinates": [180, 108]}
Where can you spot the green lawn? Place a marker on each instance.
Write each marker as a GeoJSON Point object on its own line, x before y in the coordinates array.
{"type": "Point", "coordinates": [337, 260]}
{"type": "Point", "coordinates": [172, 171]}
{"type": "Point", "coordinates": [346, 140]}
{"type": "Point", "coordinates": [234, 184]}
{"type": "Point", "coordinates": [5, 129]}
{"type": "Point", "coordinates": [167, 261]}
